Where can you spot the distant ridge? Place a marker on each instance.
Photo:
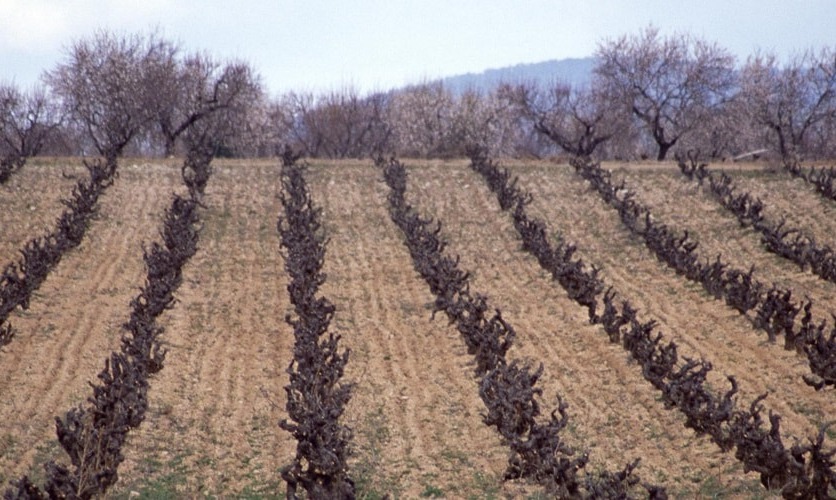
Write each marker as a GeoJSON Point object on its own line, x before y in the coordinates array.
{"type": "Point", "coordinates": [571, 71]}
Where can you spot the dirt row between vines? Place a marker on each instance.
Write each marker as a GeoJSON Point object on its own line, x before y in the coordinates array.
{"type": "Point", "coordinates": [616, 415]}
{"type": "Point", "coordinates": [699, 324]}
{"type": "Point", "coordinates": [74, 318]}
{"type": "Point", "coordinates": [416, 415]}
{"type": "Point", "coordinates": [30, 202]}
{"type": "Point", "coordinates": [685, 205]}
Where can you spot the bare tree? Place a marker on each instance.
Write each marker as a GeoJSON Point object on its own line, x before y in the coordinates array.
{"type": "Point", "coordinates": [298, 117]}
{"type": "Point", "coordinates": [378, 137]}
{"type": "Point", "coordinates": [792, 101]}
{"type": "Point", "coordinates": [232, 131]}
{"type": "Point", "coordinates": [335, 124]}
{"type": "Point", "coordinates": [507, 132]}
{"type": "Point", "coordinates": [26, 121]}
{"type": "Point", "coordinates": [722, 133]}
{"type": "Point", "coordinates": [109, 83]}
{"type": "Point", "coordinates": [197, 87]}
{"type": "Point", "coordinates": [484, 119]}
{"type": "Point", "coordinates": [670, 84]}
{"type": "Point", "coordinates": [576, 120]}
{"type": "Point", "coordinates": [822, 138]}
{"type": "Point", "coordinates": [421, 116]}
{"type": "Point", "coordinates": [349, 123]}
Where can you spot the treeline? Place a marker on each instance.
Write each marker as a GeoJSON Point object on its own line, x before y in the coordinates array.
{"type": "Point", "coordinates": [648, 95]}
{"type": "Point", "coordinates": [137, 94]}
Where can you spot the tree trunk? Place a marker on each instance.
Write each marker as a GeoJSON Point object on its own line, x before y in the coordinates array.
{"type": "Point", "coordinates": [170, 146]}
{"type": "Point", "coordinates": [664, 147]}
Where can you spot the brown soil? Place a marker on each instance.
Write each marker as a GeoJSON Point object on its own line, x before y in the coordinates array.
{"type": "Point", "coordinates": [615, 414]}
{"type": "Point", "coordinates": [676, 201]}
{"type": "Point", "coordinates": [75, 317]}
{"type": "Point", "coordinates": [212, 427]}
{"type": "Point", "coordinates": [30, 202]}
{"type": "Point", "coordinates": [701, 325]}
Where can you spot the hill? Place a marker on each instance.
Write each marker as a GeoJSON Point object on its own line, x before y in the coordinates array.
{"type": "Point", "coordinates": [573, 71]}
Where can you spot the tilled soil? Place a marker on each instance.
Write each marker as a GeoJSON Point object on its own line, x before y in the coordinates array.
{"type": "Point", "coordinates": [701, 325]}
{"type": "Point", "coordinates": [212, 427]}
{"type": "Point", "coordinates": [75, 318]}
{"type": "Point", "coordinates": [615, 415]}
{"type": "Point", "coordinates": [30, 202]}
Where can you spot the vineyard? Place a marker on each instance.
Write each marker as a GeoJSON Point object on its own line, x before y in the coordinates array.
{"type": "Point", "coordinates": [459, 329]}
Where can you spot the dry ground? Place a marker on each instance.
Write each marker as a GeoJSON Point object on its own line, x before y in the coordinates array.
{"type": "Point", "coordinates": [415, 411]}
{"type": "Point", "coordinates": [31, 203]}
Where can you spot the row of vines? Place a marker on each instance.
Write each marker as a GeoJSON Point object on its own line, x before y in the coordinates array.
{"type": "Point", "coordinates": [316, 397]}
{"type": "Point", "coordinates": [788, 242]}
{"type": "Point", "coordinates": [19, 280]}
{"type": "Point", "coordinates": [799, 471]}
{"type": "Point", "coordinates": [774, 309]}
{"type": "Point", "coordinates": [93, 434]}
{"type": "Point", "coordinates": [508, 389]}
{"type": "Point", "coordinates": [823, 179]}
{"type": "Point", "coordinates": [9, 165]}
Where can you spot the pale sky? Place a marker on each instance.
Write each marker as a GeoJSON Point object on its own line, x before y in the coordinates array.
{"type": "Point", "coordinates": [379, 44]}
